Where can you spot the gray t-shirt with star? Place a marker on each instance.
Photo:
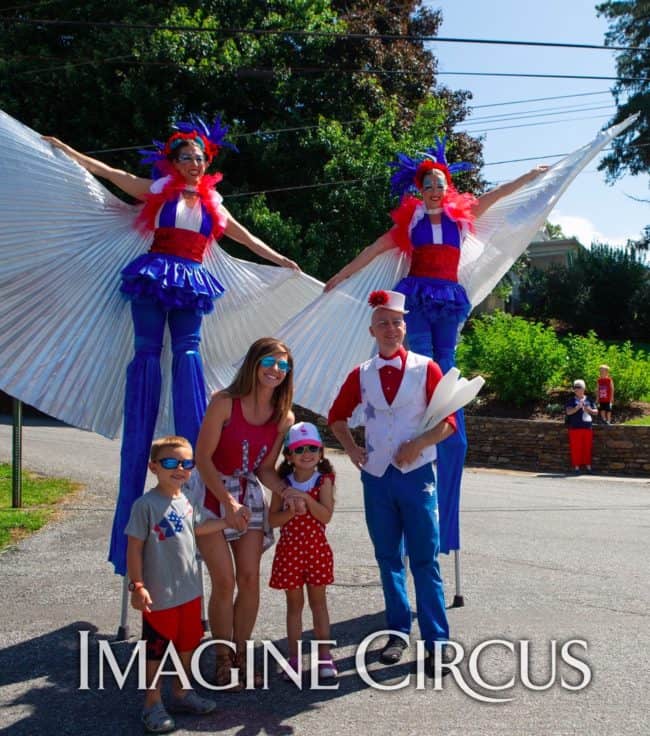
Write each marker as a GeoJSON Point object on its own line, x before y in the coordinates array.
{"type": "Point", "coordinates": [166, 525]}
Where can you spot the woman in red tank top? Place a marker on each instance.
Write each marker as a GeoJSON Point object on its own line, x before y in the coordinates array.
{"type": "Point", "coordinates": [240, 438]}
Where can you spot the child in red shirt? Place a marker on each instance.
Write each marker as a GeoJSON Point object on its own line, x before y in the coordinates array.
{"type": "Point", "coordinates": [605, 394]}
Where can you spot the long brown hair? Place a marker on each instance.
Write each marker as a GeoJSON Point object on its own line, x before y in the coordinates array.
{"type": "Point", "coordinates": [245, 382]}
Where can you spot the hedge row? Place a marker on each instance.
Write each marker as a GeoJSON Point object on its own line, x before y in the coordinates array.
{"type": "Point", "coordinates": [522, 361]}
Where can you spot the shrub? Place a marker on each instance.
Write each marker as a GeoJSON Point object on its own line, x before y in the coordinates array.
{"type": "Point", "coordinates": [520, 360]}
{"type": "Point", "coordinates": [629, 368]}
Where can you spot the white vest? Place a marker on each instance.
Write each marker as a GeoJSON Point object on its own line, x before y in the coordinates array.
{"type": "Point", "coordinates": [388, 426]}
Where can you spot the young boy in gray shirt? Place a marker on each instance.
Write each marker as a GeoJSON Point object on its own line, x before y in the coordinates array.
{"type": "Point", "coordinates": [164, 576]}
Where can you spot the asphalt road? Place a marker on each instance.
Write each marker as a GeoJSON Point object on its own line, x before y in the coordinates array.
{"type": "Point", "coordinates": [545, 558]}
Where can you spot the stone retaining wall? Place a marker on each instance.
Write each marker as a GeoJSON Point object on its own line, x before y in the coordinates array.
{"type": "Point", "coordinates": [538, 446]}
{"type": "Point", "coordinates": [522, 444]}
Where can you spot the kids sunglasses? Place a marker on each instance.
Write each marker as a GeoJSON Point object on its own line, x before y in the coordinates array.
{"type": "Point", "coordinates": [305, 448]}
{"type": "Point", "coordinates": [172, 463]}
{"type": "Point", "coordinates": [269, 362]}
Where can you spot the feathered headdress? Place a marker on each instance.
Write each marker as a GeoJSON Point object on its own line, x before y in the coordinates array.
{"type": "Point", "coordinates": [409, 172]}
{"type": "Point", "coordinates": [209, 139]}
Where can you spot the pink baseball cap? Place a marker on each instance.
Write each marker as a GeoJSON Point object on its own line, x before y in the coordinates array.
{"type": "Point", "coordinates": [302, 433]}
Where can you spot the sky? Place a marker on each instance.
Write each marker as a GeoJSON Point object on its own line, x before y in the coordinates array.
{"type": "Point", "coordinates": [590, 209]}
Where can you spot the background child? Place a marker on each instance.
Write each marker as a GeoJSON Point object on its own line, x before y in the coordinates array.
{"type": "Point", "coordinates": [605, 394]}
{"type": "Point", "coordinates": [303, 556]}
{"type": "Point", "coordinates": [165, 585]}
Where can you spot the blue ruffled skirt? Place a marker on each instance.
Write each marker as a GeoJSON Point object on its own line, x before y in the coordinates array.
{"type": "Point", "coordinates": [436, 297]}
{"type": "Point", "coordinates": [172, 281]}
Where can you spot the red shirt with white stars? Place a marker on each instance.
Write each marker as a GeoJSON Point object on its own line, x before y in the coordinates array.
{"type": "Point", "coordinates": [391, 378]}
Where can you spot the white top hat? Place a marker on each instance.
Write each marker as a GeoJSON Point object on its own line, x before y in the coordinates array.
{"type": "Point", "coordinates": [392, 300]}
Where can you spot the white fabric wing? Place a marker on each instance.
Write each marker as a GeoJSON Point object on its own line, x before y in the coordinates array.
{"type": "Point", "coordinates": [331, 335]}
{"type": "Point", "coordinates": [65, 329]}
{"type": "Point", "coordinates": [503, 233]}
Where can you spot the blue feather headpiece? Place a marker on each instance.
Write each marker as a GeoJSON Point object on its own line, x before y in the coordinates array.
{"type": "Point", "coordinates": [408, 170]}
{"type": "Point", "coordinates": [209, 138]}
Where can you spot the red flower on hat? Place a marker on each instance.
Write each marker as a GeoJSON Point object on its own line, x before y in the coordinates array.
{"type": "Point", "coordinates": [378, 298]}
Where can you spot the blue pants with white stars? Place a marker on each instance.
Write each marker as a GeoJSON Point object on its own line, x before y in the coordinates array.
{"type": "Point", "coordinates": [403, 507]}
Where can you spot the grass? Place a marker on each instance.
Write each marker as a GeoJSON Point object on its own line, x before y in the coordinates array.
{"type": "Point", "coordinates": [639, 422]}
{"type": "Point", "coordinates": [40, 500]}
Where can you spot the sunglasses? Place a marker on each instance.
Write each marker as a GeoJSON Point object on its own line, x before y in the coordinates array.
{"type": "Point", "coordinates": [172, 463]}
{"type": "Point", "coordinates": [305, 448]}
{"type": "Point", "coordinates": [186, 157]}
{"type": "Point", "coordinates": [270, 362]}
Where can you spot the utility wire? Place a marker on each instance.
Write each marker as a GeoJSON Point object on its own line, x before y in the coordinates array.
{"type": "Point", "coordinates": [21, 8]}
{"type": "Point", "coordinates": [544, 76]}
{"type": "Point", "coordinates": [541, 99]}
{"type": "Point", "coordinates": [354, 182]}
{"type": "Point", "coordinates": [277, 131]}
{"type": "Point", "coordinates": [314, 34]}
{"type": "Point", "coordinates": [243, 72]}
{"type": "Point", "coordinates": [481, 130]}
{"type": "Point", "coordinates": [524, 114]}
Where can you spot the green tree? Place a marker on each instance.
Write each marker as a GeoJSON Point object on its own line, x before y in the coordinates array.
{"type": "Point", "coordinates": [629, 26]}
{"type": "Point", "coordinates": [554, 232]}
{"type": "Point", "coordinates": [601, 290]}
{"type": "Point", "coordinates": [101, 86]}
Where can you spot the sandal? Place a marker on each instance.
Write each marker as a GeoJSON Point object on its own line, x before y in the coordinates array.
{"type": "Point", "coordinates": [157, 720]}
{"type": "Point", "coordinates": [240, 663]}
{"type": "Point", "coordinates": [327, 670]}
{"type": "Point", "coordinates": [223, 673]}
{"type": "Point", "coordinates": [192, 703]}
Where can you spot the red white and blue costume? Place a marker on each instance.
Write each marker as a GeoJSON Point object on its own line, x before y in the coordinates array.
{"type": "Point", "coordinates": [401, 504]}
{"type": "Point", "coordinates": [437, 309]}
{"type": "Point", "coordinates": [66, 329]}
{"type": "Point", "coordinates": [336, 323]}
{"type": "Point", "coordinates": [166, 286]}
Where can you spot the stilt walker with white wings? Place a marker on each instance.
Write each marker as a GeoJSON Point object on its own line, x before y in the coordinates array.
{"type": "Point", "coordinates": [64, 326]}
{"type": "Point", "coordinates": [445, 253]}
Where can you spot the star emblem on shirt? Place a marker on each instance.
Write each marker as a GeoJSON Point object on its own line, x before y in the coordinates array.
{"type": "Point", "coordinates": [369, 411]}
{"type": "Point", "coordinates": [429, 488]}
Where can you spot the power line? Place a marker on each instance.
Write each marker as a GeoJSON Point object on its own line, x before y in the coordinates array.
{"type": "Point", "coordinates": [277, 131]}
{"type": "Point", "coordinates": [524, 114]}
{"type": "Point", "coordinates": [348, 182]}
{"type": "Point", "coordinates": [480, 130]}
{"type": "Point", "coordinates": [314, 34]}
{"type": "Point", "coordinates": [544, 76]}
{"type": "Point", "coordinates": [244, 72]}
{"type": "Point", "coordinates": [542, 99]}
{"type": "Point", "coordinates": [20, 8]}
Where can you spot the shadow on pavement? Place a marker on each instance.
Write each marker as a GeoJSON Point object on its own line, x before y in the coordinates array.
{"type": "Point", "coordinates": [44, 675]}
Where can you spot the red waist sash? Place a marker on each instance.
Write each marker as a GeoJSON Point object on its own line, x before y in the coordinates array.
{"type": "Point", "coordinates": [174, 241]}
{"type": "Point", "coordinates": [435, 262]}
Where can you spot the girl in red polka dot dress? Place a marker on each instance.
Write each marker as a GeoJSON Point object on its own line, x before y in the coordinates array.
{"type": "Point", "coordinates": [303, 556]}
